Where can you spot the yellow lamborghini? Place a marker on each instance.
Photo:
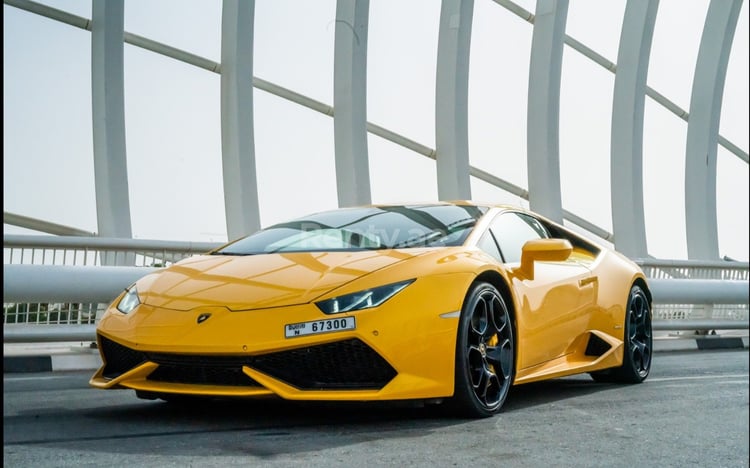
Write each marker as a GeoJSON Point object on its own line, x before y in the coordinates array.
{"type": "Point", "coordinates": [444, 302]}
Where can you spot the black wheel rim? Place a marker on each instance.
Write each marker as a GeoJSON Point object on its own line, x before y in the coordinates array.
{"type": "Point", "coordinates": [490, 350]}
{"type": "Point", "coordinates": [639, 328]}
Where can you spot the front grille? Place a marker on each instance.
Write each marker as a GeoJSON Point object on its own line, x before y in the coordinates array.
{"type": "Point", "coordinates": [347, 365]}
{"type": "Point", "coordinates": [201, 370]}
{"type": "Point", "coordinates": [118, 358]}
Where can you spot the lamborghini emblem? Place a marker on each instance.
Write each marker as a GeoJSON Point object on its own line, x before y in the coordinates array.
{"type": "Point", "coordinates": [203, 317]}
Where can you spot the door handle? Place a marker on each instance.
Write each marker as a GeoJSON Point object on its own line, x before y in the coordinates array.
{"type": "Point", "coordinates": [590, 280]}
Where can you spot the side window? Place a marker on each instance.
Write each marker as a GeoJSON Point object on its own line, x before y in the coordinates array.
{"type": "Point", "coordinates": [535, 225]}
{"type": "Point", "coordinates": [487, 243]}
{"type": "Point", "coordinates": [512, 230]}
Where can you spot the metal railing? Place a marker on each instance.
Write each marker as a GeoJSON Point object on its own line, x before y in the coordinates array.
{"type": "Point", "coordinates": [694, 269]}
{"type": "Point", "coordinates": [77, 250]}
{"type": "Point", "coordinates": [72, 304]}
{"type": "Point", "coordinates": [700, 315]}
{"type": "Point", "coordinates": [66, 282]}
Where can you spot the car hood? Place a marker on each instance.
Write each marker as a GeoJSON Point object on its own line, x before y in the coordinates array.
{"type": "Point", "coordinates": [261, 281]}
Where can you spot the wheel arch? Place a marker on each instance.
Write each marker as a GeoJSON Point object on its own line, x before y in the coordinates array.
{"type": "Point", "coordinates": [497, 280]}
{"type": "Point", "coordinates": [465, 400]}
{"type": "Point", "coordinates": [641, 282]}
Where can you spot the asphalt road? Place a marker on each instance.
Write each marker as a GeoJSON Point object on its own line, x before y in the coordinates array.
{"type": "Point", "coordinates": [692, 411]}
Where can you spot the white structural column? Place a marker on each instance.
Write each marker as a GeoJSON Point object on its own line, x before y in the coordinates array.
{"type": "Point", "coordinates": [237, 132]}
{"type": "Point", "coordinates": [451, 100]}
{"type": "Point", "coordinates": [108, 114]}
{"type": "Point", "coordinates": [703, 129]}
{"type": "Point", "coordinates": [350, 103]}
{"type": "Point", "coordinates": [543, 140]}
{"type": "Point", "coordinates": [626, 169]}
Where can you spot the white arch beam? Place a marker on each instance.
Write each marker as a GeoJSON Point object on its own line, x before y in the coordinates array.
{"type": "Point", "coordinates": [287, 94]}
{"type": "Point", "coordinates": [451, 100]}
{"type": "Point", "coordinates": [703, 129]}
{"type": "Point", "coordinates": [608, 65]}
{"type": "Point", "coordinates": [350, 103]}
{"type": "Point", "coordinates": [237, 131]}
{"type": "Point", "coordinates": [629, 96]}
{"type": "Point", "coordinates": [543, 141]}
{"type": "Point", "coordinates": [108, 119]}
{"type": "Point", "coordinates": [292, 96]}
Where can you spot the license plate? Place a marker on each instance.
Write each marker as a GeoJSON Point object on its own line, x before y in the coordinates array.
{"type": "Point", "coordinates": [292, 330]}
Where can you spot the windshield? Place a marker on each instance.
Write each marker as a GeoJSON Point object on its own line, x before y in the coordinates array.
{"type": "Point", "coordinates": [386, 227]}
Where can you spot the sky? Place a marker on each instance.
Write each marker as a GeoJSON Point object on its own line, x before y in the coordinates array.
{"type": "Point", "coordinates": [173, 133]}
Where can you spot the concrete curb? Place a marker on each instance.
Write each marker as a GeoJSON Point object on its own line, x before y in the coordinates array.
{"type": "Point", "coordinates": [67, 357]}
{"type": "Point", "coordinates": [50, 363]}
{"type": "Point", "coordinates": [701, 343]}
{"type": "Point", "coordinates": [49, 357]}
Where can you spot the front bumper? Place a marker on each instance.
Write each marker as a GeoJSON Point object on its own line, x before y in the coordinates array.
{"type": "Point", "coordinates": [404, 349]}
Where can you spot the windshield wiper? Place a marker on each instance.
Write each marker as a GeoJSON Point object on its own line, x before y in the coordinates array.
{"type": "Point", "coordinates": [234, 254]}
{"type": "Point", "coordinates": [420, 240]}
{"type": "Point", "coordinates": [436, 234]}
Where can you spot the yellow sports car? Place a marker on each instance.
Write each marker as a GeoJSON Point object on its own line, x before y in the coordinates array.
{"type": "Point", "coordinates": [443, 302]}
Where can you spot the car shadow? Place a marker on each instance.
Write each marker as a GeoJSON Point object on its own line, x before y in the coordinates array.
{"type": "Point", "coordinates": [119, 423]}
{"type": "Point", "coordinates": [551, 391]}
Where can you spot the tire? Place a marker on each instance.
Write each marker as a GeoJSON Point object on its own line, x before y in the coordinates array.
{"type": "Point", "coordinates": [145, 395]}
{"type": "Point", "coordinates": [179, 400]}
{"type": "Point", "coordinates": [174, 398]}
{"type": "Point", "coordinates": [485, 353]}
{"type": "Point", "coordinates": [638, 343]}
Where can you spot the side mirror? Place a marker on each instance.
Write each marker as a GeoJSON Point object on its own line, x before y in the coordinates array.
{"type": "Point", "coordinates": [543, 250]}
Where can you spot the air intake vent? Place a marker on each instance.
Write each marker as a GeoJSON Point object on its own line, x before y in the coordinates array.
{"type": "Point", "coordinates": [344, 365]}
{"type": "Point", "coordinates": [201, 370]}
{"type": "Point", "coordinates": [118, 358]}
{"type": "Point", "coordinates": [596, 346]}
{"type": "Point", "coordinates": [349, 364]}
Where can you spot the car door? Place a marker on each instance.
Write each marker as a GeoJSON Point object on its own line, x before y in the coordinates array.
{"type": "Point", "coordinates": [555, 304]}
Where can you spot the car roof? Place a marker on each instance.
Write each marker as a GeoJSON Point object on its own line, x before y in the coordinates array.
{"type": "Point", "coordinates": [448, 202]}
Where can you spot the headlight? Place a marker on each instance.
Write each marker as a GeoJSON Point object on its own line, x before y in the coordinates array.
{"type": "Point", "coordinates": [129, 301]}
{"type": "Point", "coordinates": [362, 299]}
